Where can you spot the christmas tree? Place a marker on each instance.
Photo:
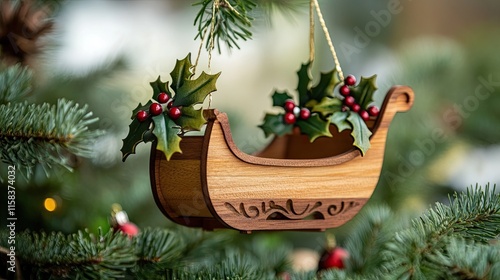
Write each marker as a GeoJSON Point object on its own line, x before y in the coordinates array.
{"type": "Point", "coordinates": [56, 132]}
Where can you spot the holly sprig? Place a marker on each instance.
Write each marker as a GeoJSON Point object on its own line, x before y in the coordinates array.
{"type": "Point", "coordinates": [171, 111]}
{"type": "Point", "coordinates": [318, 106]}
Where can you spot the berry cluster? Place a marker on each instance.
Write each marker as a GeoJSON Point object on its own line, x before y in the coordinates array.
{"type": "Point", "coordinates": [350, 101]}
{"type": "Point", "coordinates": [165, 103]}
{"type": "Point", "coordinates": [293, 112]}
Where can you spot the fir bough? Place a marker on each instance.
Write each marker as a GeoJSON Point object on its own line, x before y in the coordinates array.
{"type": "Point", "coordinates": [45, 135]}
{"type": "Point", "coordinates": [15, 83]}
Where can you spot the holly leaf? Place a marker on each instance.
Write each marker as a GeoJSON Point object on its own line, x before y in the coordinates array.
{"type": "Point", "coordinates": [167, 134]}
{"type": "Point", "coordinates": [304, 83]}
{"type": "Point", "coordinates": [339, 119]}
{"type": "Point", "coordinates": [314, 127]}
{"type": "Point", "coordinates": [326, 107]}
{"type": "Point", "coordinates": [273, 124]}
{"type": "Point", "coordinates": [195, 91]}
{"type": "Point", "coordinates": [191, 119]}
{"type": "Point", "coordinates": [279, 98]}
{"type": "Point", "coordinates": [360, 132]}
{"type": "Point", "coordinates": [159, 87]}
{"type": "Point", "coordinates": [135, 135]}
{"type": "Point", "coordinates": [363, 92]}
{"type": "Point", "coordinates": [181, 73]}
{"type": "Point", "coordinates": [326, 84]}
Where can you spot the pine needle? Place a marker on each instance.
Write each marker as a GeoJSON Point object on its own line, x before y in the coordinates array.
{"type": "Point", "coordinates": [45, 135]}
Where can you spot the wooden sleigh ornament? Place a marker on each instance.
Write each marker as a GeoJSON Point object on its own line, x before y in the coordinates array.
{"type": "Point", "coordinates": [291, 185]}
{"type": "Point", "coordinates": [300, 181]}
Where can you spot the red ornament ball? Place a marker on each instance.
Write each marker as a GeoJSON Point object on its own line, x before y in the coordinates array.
{"type": "Point", "coordinates": [349, 100]}
{"type": "Point", "coordinates": [289, 118]}
{"type": "Point", "coordinates": [155, 109]}
{"type": "Point", "coordinates": [305, 113]}
{"type": "Point", "coordinates": [355, 107]}
{"type": "Point", "coordinates": [364, 115]}
{"type": "Point", "coordinates": [350, 80]}
{"type": "Point", "coordinates": [174, 113]}
{"type": "Point", "coordinates": [344, 90]}
{"type": "Point", "coordinates": [128, 228]}
{"type": "Point", "coordinates": [170, 104]}
{"type": "Point", "coordinates": [373, 111]}
{"type": "Point", "coordinates": [334, 258]}
{"type": "Point", "coordinates": [142, 116]}
{"type": "Point", "coordinates": [163, 97]}
{"type": "Point", "coordinates": [289, 106]}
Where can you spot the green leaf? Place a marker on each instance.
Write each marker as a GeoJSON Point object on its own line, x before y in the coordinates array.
{"type": "Point", "coordinates": [191, 119]}
{"type": "Point", "coordinates": [326, 107]}
{"type": "Point", "coordinates": [363, 92]}
{"type": "Point", "coordinates": [195, 91]}
{"type": "Point", "coordinates": [181, 73]}
{"type": "Point", "coordinates": [159, 87]}
{"type": "Point", "coordinates": [135, 135]}
{"type": "Point", "coordinates": [273, 124]}
{"type": "Point", "coordinates": [314, 127]}
{"type": "Point", "coordinates": [339, 119]}
{"type": "Point", "coordinates": [166, 132]}
{"type": "Point", "coordinates": [304, 83]}
{"type": "Point", "coordinates": [360, 132]}
{"type": "Point", "coordinates": [279, 98]}
{"type": "Point", "coordinates": [327, 83]}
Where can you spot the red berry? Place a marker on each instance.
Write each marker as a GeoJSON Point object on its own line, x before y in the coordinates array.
{"type": "Point", "coordinates": [355, 107]}
{"type": "Point", "coordinates": [373, 111]}
{"type": "Point", "coordinates": [344, 90]}
{"type": "Point", "coordinates": [364, 115]}
{"type": "Point", "coordinates": [350, 80]}
{"type": "Point", "coordinates": [333, 259]}
{"type": "Point", "coordinates": [155, 109]}
{"type": "Point", "coordinates": [129, 229]}
{"type": "Point", "coordinates": [170, 104]}
{"type": "Point", "coordinates": [174, 113]}
{"type": "Point", "coordinates": [349, 100]}
{"type": "Point", "coordinates": [289, 105]}
{"type": "Point", "coordinates": [289, 118]}
{"type": "Point", "coordinates": [305, 113]}
{"type": "Point", "coordinates": [142, 116]}
{"type": "Point", "coordinates": [163, 97]}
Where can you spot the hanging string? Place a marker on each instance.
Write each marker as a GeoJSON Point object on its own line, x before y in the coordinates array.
{"type": "Point", "coordinates": [329, 40]}
{"type": "Point", "coordinates": [311, 31]}
{"type": "Point", "coordinates": [211, 45]}
{"type": "Point", "coordinates": [199, 52]}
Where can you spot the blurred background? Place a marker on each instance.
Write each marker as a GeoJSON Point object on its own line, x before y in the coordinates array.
{"type": "Point", "coordinates": [105, 53]}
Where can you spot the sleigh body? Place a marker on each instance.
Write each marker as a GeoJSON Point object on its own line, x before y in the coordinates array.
{"type": "Point", "coordinates": [291, 185]}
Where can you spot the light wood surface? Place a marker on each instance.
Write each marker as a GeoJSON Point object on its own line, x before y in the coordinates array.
{"type": "Point", "coordinates": [220, 186]}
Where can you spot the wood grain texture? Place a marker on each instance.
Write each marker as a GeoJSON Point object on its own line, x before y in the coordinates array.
{"type": "Point", "coordinates": [226, 187]}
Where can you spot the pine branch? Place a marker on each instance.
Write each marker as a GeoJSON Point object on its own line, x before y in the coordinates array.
{"type": "Point", "coordinates": [372, 230]}
{"type": "Point", "coordinates": [231, 19]}
{"type": "Point", "coordinates": [15, 83]}
{"type": "Point", "coordinates": [473, 215]}
{"type": "Point", "coordinates": [75, 256]}
{"type": "Point", "coordinates": [157, 250]}
{"type": "Point", "coordinates": [468, 260]}
{"type": "Point", "coordinates": [44, 135]}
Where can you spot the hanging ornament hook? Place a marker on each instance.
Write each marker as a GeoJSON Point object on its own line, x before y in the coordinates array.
{"type": "Point", "coordinates": [328, 39]}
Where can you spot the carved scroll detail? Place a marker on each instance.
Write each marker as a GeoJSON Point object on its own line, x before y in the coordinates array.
{"type": "Point", "coordinates": [272, 210]}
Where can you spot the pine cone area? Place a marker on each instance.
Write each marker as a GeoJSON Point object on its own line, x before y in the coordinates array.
{"type": "Point", "coordinates": [22, 23]}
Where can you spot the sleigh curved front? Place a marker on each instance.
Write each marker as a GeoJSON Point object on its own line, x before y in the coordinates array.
{"type": "Point", "coordinates": [213, 184]}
